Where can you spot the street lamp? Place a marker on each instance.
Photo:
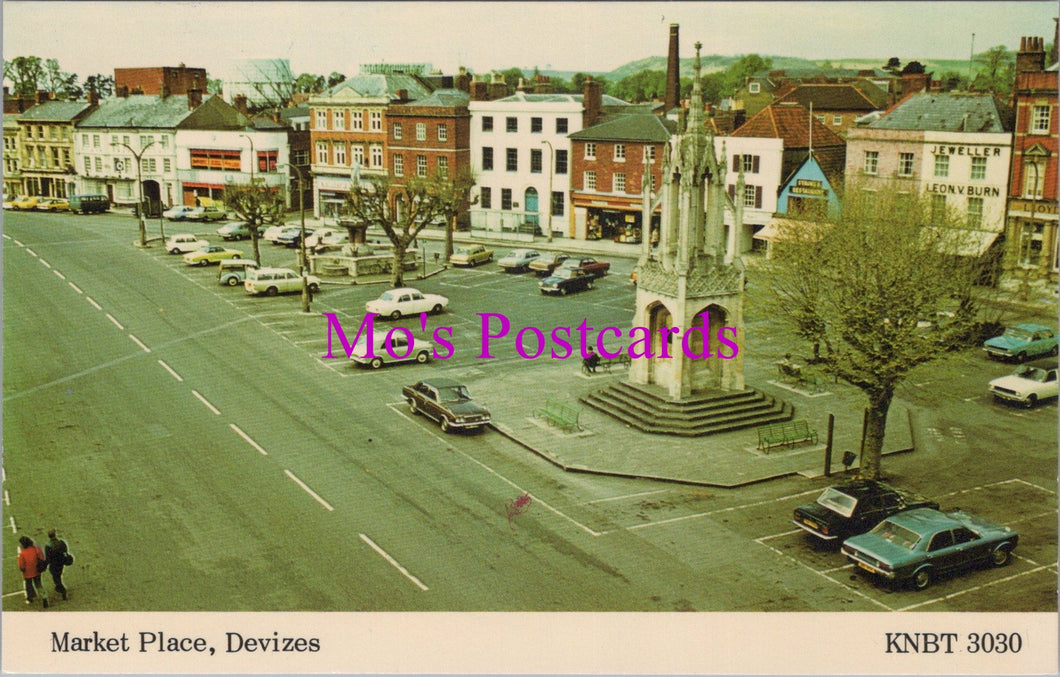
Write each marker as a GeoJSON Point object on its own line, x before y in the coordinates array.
{"type": "Point", "coordinates": [307, 296]}
{"type": "Point", "coordinates": [548, 200]}
{"type": "Point", "coordinates": [139, 185]}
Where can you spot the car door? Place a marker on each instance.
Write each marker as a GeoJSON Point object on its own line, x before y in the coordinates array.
{"type": "Point", "coordinates": [943, 553]}
{"type": "Point", "coordinates": [417, 304]}
{"type": "Point", "coordinates": [1042, 343]}
{"type": "Point", "coordinates": [867, 513]}
{"type": "Point", "coordinates": [431, 405]}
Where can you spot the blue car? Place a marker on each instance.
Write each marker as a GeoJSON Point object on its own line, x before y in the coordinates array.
{"type": "Point", "coordinates": [919, 545]}
{"type": "Point", "coordinates": [1022, 342]}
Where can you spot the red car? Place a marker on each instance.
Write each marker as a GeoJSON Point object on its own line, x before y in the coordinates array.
{"type": "Point", "coordinates": [590, 265]}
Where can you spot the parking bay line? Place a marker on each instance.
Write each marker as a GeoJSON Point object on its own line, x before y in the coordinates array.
{"type": "Point", "coordinates": [973, 589]}
{"type": "Point", "coordinates": [393, 562]}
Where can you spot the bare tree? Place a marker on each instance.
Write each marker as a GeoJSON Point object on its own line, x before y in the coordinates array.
{"type": "Point", "coordinates": [868, 278]}
{"type": "Point", "coordinates": [257, 206]}
{"type": "Point", "coordinates": [403, 210]}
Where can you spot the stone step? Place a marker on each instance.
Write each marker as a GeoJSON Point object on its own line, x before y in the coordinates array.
{"type": "Point", "coordinates": [779, 414]}
{"type": "Point", "coordinates": [690, 408]}
{"type": "Point", "coordinates": [714, 411]}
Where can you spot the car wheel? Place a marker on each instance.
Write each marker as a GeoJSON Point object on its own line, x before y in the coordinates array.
{"type": "Point", "coordinates": [1001, 556]}
{"type": "Point", "coordinates": [232, 281]}
{"type": "Point", "coordinates": [1032, 400]}
{"type": "Point", "coordinates": [563, 291]}
{"type": "Point", "coordinates": [589, 286]}
{"type": "Point", "coordinates": [436, 309]}
{"type": "Point", "coordinates": [412, 406]}
{"type": "Point", "coordinates": [396, 315]}
{"type": "Point", "coordinates": [314, 287]}
{"type": "Point", "coordinates": [236, 256]}
{"type": "Point", "coordinates": [204, 262]}
{"type": "Point", "coordinates": [922, 578]}
{"type": "Point", "coordinates": [1021, 357]}
{"type": "Point", "coordinates": [174, 250]}
{"type": "Point", "coordinates": [422, 356]}
{"type": "Point", "coordinates": [444, 423]}
{"type": "Point", "coordinates": [375, 363]}
{"type": "Point", "coordinates": [272, 291]}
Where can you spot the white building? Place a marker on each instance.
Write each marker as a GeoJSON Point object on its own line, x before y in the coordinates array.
{"type": "Point", "coordinates": [761, 161]}
{"type": "Point", "coordinates": [209, 160]}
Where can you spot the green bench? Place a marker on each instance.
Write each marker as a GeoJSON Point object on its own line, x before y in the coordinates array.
{"type": "Point", "coordinates": [606, 363]}
{"type": "Point", "coordinates": [560, 413]}
{"type": "Point", "coordinates": [785, 434]}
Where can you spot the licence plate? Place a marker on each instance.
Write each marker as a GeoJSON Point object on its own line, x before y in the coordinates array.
{"type": "Point", "coordinates": [866, 567]}
{"type": "Point", "coordinates": [811, 524]}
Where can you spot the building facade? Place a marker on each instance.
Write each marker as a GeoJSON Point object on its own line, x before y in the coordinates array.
{"type": "Point", "coordinates": [46, 139]}
{"type": "Point", "coordinates": [159, 81]}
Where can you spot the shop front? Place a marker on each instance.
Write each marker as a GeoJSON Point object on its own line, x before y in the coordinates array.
{"type": "Point", "coordinates": [617, 225]}
{"type": "Point", "coordinates": [201, 194]}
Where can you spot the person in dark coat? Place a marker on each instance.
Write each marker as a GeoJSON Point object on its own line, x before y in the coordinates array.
{"type": "Point", "coordinates": [55, 553]}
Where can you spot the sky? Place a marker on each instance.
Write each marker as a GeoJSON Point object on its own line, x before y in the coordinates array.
{"type": "Point", "coordinates": [323, 37]}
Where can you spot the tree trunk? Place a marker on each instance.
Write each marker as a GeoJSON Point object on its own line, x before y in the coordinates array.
{"type": "Point", "coordinates": [875, 427]}
{"type": "Point", "coordinates": [450, 226]}
{"type": "Point", "coordinates": [397, 278]}
{"type": "Point", "coordinates": [254, 241]}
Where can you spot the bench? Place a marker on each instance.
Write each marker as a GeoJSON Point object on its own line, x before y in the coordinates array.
{"type": "Point", "coordinates": [785, 434]}
{"type": "Point", "coordinates": [794, 374]}
{"type": "Point", "coordinates": [560, 413]}
{"type": "Point", "coordinates": [606, 363]}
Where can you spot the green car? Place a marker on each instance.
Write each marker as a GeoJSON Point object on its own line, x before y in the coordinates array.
{"type": "Point", "coordinates": [1022, 342]}
{"type": "Point", "coordinates": [919, 545]}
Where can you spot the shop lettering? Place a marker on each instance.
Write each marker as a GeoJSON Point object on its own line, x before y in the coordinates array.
{"type": "Point", "coordinates": [970, 191]}
{"type": "Point", "coordinates": [973, 151]}
{"type": "Point", "coordinates": [807, 187]}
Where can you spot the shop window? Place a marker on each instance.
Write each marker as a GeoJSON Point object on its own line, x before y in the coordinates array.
{"type": "Point", "coordinates": [212, 158]}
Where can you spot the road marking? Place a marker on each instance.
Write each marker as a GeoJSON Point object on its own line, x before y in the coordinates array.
{"type": "Point", "coordinates": [6, 236]}
{"type": "Point", "coordinates": [116, 323]}
{"type": "Point", "coordinates": [138, 342]}
{"type": "Point", "coordinates": [58, 274]}
{"type": "Point", "coordinates": [1030, 484]}
{"type": "Point", "coordinates": [308, 490]}
{"type": "Point", "coordinates": [75, 287]}
{"type": "Point", "coordinates": [14, 529]}
{"type": "Point", "coordinates": [246, 437]}
{"type": "Point", "coordinates": [978, 587]}
{"type": "Point", "coordinates": [19, 243]}
{"type": "Point", "coordinates": [45, 263]}
{"type": "Point", "coordinates": [723, 510]}
{"type": "Point", "coordinates": [824, 576]}
{"type": "Point", "coordinates": [30, 251]}
{"type": "Point", "coordinates": [780, 535]}
{"type": "Point", "coordinates": [7, 498]}
{"type": "Point", "coordinates": [93, 302]}
{"type": "Point", "coordinates": [393, 562]}
{"type": "Point", "coordinates": [627, 496]}
{"type": "Point", "coordinates": [170, 370]}
{"type": "Point", "coordinates": [206, 402]}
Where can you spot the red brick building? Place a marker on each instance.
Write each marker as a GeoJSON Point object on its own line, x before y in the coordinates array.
{"type": "Point", "coordinates": [161, 80]}
{"type": "Point", "coordinates": [1032, 202]}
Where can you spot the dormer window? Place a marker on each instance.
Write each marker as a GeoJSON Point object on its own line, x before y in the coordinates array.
{"type": "Point", "coordinates": [754, 87]}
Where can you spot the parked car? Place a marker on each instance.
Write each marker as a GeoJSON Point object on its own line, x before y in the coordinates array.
{"type": "Point", "coordinates": [89, 204]}
{"type": "Point", "coordinates": [854, 507]}
{"type": "Point", "coordinates": [177, 213]}
{"type": "Point", "coordinates": [547, 262]}
{"type": "Point", "coordinates": [25, 202]}
{"type": "Point", "coordinates": [919, 545]}
{"type": "Point", "coordinates": [182, 243]}
{"type": "Point", "coordinates": [273, 281]}
{"type": "Point", "coordinates": [210, 213]}
{"type": "Point", "coordinates": [234, 230]}
{"type": "Point", "coordinates": [53, 204]}
{"type": "Point", "coordinates": [518, 260]}
{"type": "Point", "coordinates": [446, 402]}
{"type": "Point", "coordinates": [589, 265]}
{"type": "Point", "coordinates": [420, 351]}
{"type": "Point", "coordinates": [471, 255]}
{"type": "Point", "coordinates": [211, 253]}
{"type": "Point", "coordinates": [1022, 342]}
{"type": "Point", "coordinates": [233, 272]}
{"type": "Point", "coordinates": [1028, 385]}
{"type": "Point", "coordinates": [273, 232]}
{"type": "Point", "coordinates": [292, 236]}
{"type": "Point", "coordinates": [318, 235]}
{"type": "Point", "coordinates": [566, 280]}
{"type": "Point", "coordinates": [406, 301]}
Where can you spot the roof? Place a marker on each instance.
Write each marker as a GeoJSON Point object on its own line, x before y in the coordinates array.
{"type": "Point", "coordinates": [606, 99]}
{"type": "Point", "coordinates": [443, 98]}
{"type": "Point", "coordinates": [287, 114]}
{"type": "Point", "coordinates": [138, 110]}
{"type": "Point", "coordinates": [950, 112]}
{"type": "Point", "coordinates": [379, 85]}
{"type": "Point", "coordinates": [641, 127]}
{"type": "Point", "coordinates": [56, 111]}
{"type": "Point", "coordinates": [789, 122]}
{"type": "Point", "coordinates": [845, 96]}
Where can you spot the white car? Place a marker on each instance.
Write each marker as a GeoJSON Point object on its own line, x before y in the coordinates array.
{"type": "Point", "coordinates": [178, 213]}
{"type": "Point", "coordinates": [182, 243]}
{"type": "Point", "coordinates": [518, 259]}
{"type": "Point", "coordinates": [318, 236]}
{"type": "Point", "coordinates": [420, 351]}
{"type": "Point", "coordinates": [1027, 385]}
{"type": "Point", "coordinates": [273, 232]}
{"type": "Point", "coordinates": [406, 301]}
{"type": "Point", "coordinates": [273, 281]}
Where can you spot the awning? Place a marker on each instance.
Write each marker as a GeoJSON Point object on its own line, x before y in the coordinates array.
{"type": "Point", "coordinates": [964, 242]}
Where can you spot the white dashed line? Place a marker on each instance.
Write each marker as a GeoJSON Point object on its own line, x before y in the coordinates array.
{"type": "Point", "coordinates": [393, 562]}
{"type": "Point", "coordinates": [7, 498]}
{"type": "Point", "coordinates": [58, 274]}
{"type": "Point", "coordinates": [308, 490]}
{"type": "Point", "coordinates": [621, 498]}
{"type": "Point", "coordinates": [45, 263]}
{"type": "Point", "coordinates": [116, 323]}
{"type": "Point", "coordinates": [170, 370]}
{"type": "Point", "coordinates": [138, 342]}
{"type": "Point", "coordinates": [18, 243]}
{"type": "Point", "coordinates": [249, 441]}
{"type": "Point", "coordinates": [31, 252]}
{"type": "Point", "coordinates": [6, 236]}
{"type": "Point", "coordinates": [75, 287]}
{"type": "Point", "coordinates": [14, 528]}
{"type": "Point", "coordinates": [206, 402]}
{"type": "Point", "coordinates": [93, 302]}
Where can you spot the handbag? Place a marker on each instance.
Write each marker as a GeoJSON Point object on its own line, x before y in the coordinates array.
{"type": "Point", "coordinates": [68, 559]}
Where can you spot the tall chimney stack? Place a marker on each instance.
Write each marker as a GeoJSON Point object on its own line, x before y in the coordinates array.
{"type": "Point", "coordinates": [1031, 57]}
{"type": "Point", "coordinates": [673, 72]}
{"type": "Point", "coordinates": [194, 98]}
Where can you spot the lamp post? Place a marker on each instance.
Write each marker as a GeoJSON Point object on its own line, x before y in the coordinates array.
{"type": "Point", "coordinates": [139, 185]}
{"type": "Point", "coordinates": [307, 296]}
{"type": "Point", "coordinates": [548, 200]}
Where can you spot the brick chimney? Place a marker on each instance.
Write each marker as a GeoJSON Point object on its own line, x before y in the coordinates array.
{"type": "Point", "coordinates": [402, 94]}
{"type": "Point", "coordinates": [122, 91]}
{"type": "Point", "coordinates": [463, 80]}
{"type": "Point", "coordinates": [673, 71]}
{"type": "Point", "coordinates": [194, 98]}
{"type": "Point", "coordinates": [498, 87]}
{"type": "Point", "coordinates": [239, 103]}
{"type": "Point", "coordinates": [163, 91]}
{"type": "Point", "coordinates": [93, 97]}
{"type": "Point", "coordinates": [1031, 57]}
{"type": "Point", "coordinates": [42, 96]}
{"type": "Point", "coordinates": [592, 100]}
{"type": "Point", "coordinates": [915, 82]}
{"type": "Point", "coordinates": [479, 90]}
{"type": "Point", "coordinates": [542, 85]}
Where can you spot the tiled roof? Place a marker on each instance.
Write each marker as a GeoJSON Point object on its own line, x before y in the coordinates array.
{"type": "Point", "coordinates": [379, 85]}
{"type": "Point", "coordinates": [606, 99]}
{"type": "Point", "coordinates": [443, 98]}
{"type": "Point", "coordinates": [286, 114]}
{"type": "Point", "coordinates": [138, 110]}
{"type": "Point", "coordinates": [951, 112]}
{"type": "Point", "coordinates": [56, 111]}
{"type": "Point", "coordinates": [789, 122]}
{"type": "Point", "coordinates": [642, 127]}
{"type": "Point", "coordinates": [216, 114]}
{"type": "Point", "coordinates": [832, 97]}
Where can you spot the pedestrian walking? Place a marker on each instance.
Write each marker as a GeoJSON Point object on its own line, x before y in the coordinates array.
{"type": "Point", "coordinates": [31, 563]}
{"type": "Point", "coordinates": [57, 555]}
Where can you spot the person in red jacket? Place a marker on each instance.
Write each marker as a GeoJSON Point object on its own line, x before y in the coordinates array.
{"type": "Point", "coordinates": [31, 563]}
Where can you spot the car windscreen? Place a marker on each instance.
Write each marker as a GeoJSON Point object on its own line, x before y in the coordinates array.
{"type": "Point", "coordinates": [896, 534]}
{"type": "Point", "coordinates": [837, 501]}
{"type": "Point", "coordinates": [453, 394]}
{"type": "Point", "coordinates": [387, 296]}
{"type": "Point", "coordinates": [1018, 334]}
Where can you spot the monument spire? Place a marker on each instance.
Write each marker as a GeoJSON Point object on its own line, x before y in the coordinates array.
{"type": "Point", "coordinates": [695, 105]}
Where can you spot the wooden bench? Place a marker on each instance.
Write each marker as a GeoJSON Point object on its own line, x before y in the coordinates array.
{"type": "Point", "coordinates": [794, 374]}
{"type": "Point", "coordinates": [560, 413]}
{"type": "Point", "coordinates": [785, 434]}
{"type": "Point", "coordinates": [606, 363]}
